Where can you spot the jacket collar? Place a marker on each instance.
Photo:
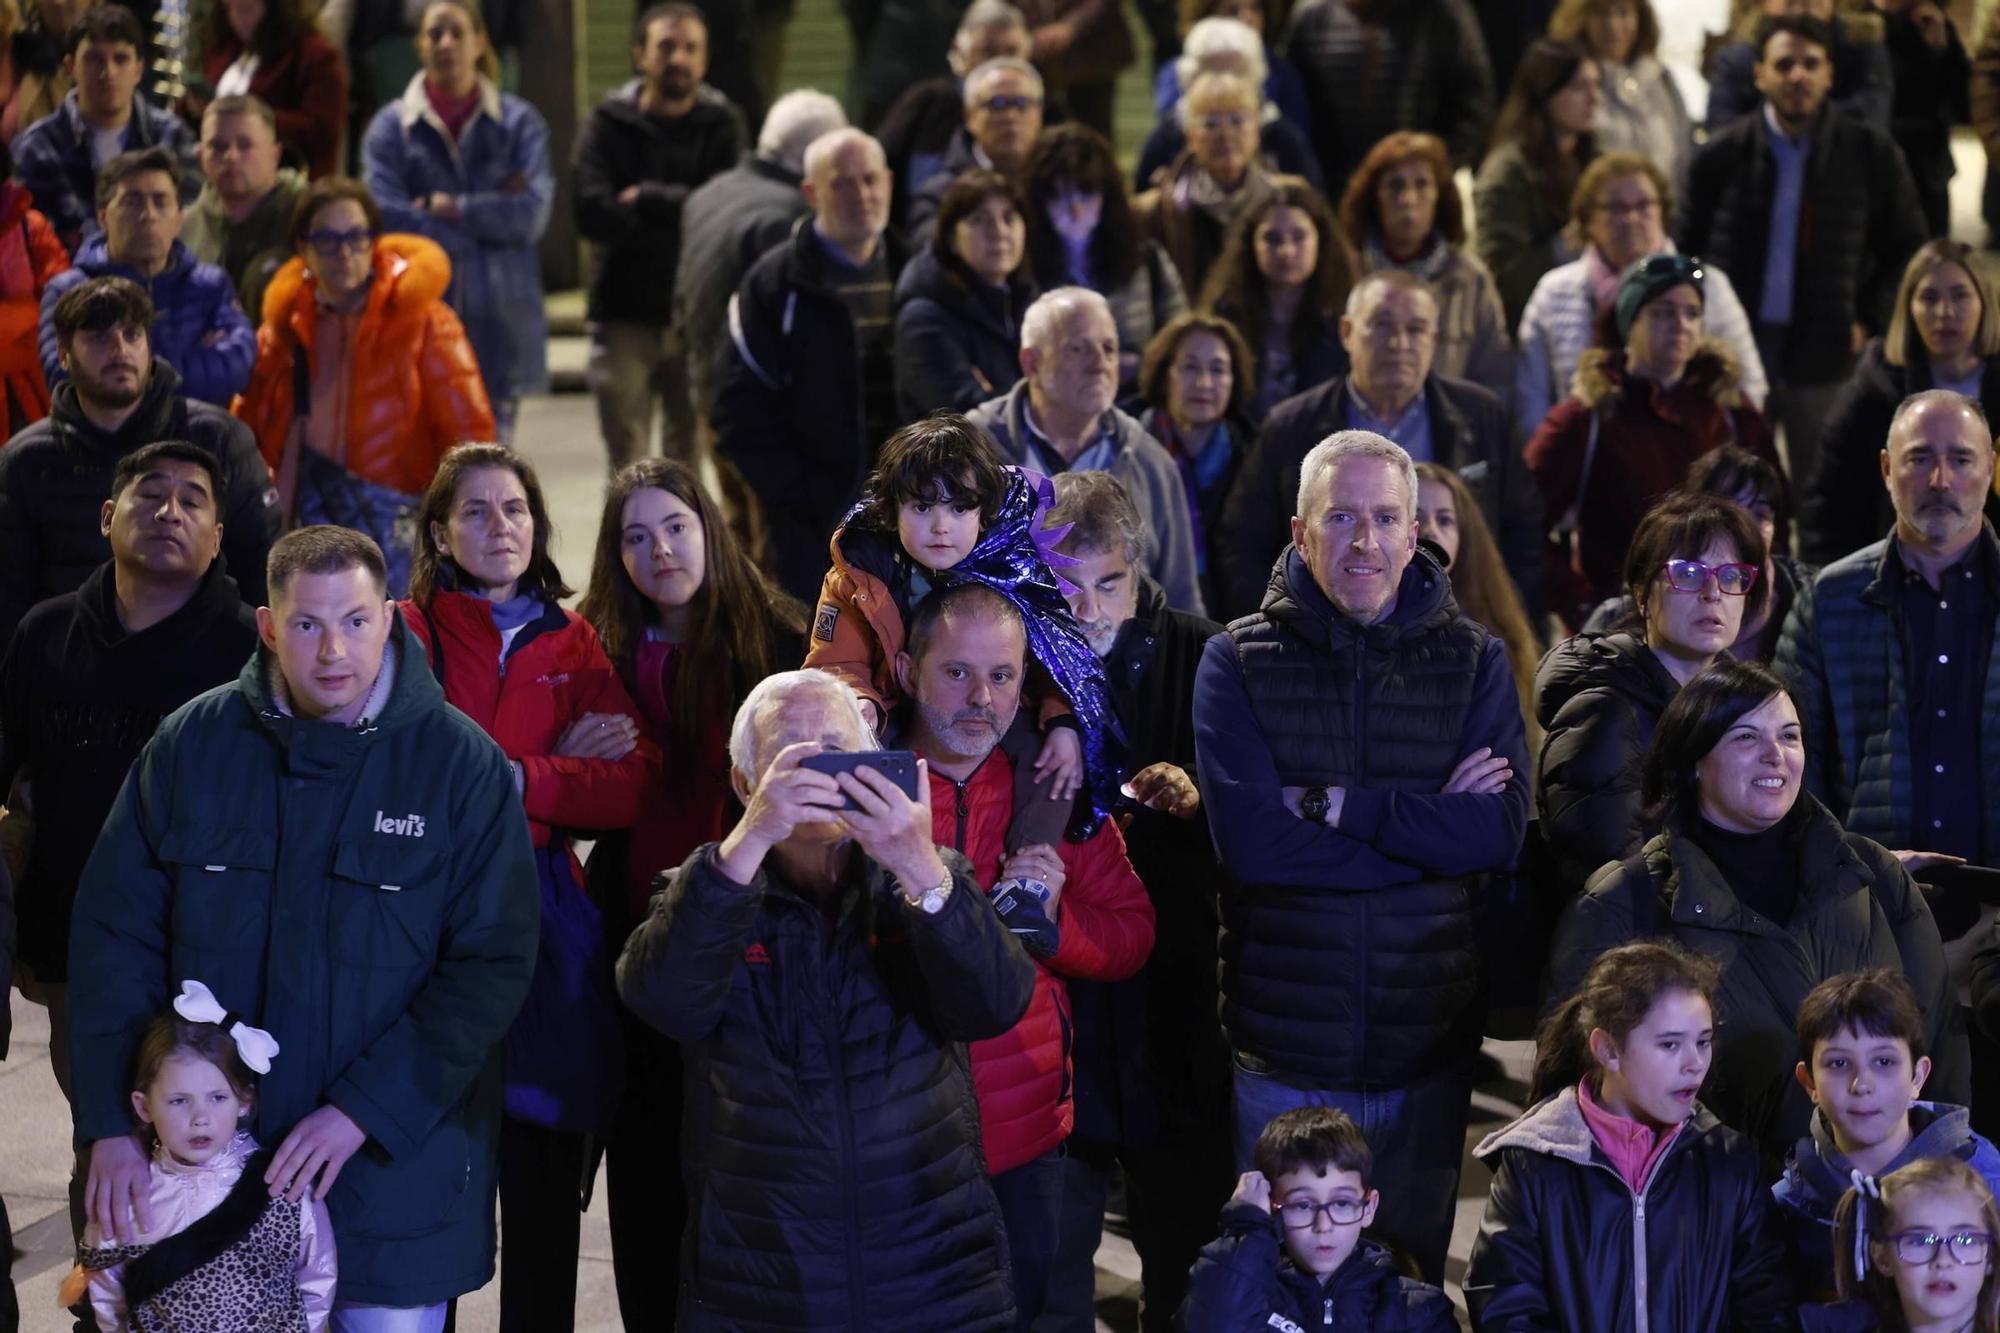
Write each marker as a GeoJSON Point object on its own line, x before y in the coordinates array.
{"type": "Point", "coordinates": [95, 259]}
{"type": "Point", "coordinates": [415, 105]}
{"type": "Point", "coordinates": [149, 420]}
{"type": "Point", "coordinates": [411, 695]}
{"type": "Point", "coordinates": [1295, 598]}
{"type": "Point", "coordinates": [810, 264]}
{"type": "Point", "coordinates": [1555, 1127]}
{"type": "Point", "coordinates": [1936, 1130]}
{"type": "Point", "coordinates": [1881, 589]}
{"type": "Point", "coordinates": [1699, 897]}
{"type": "Point", "coordinates": [140, 131]}
{"type": "Point", "coordinates": [215, 596]}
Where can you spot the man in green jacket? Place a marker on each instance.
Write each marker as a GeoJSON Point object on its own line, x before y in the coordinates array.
{"type": "Point", "coordinates": [341, 858]}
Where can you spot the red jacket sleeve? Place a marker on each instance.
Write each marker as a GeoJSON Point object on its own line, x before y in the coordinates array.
{"type": "Point", "coordinates": [46, 254]}
{"type": "Point", "coordinates": [1105, 915]}
{"type": "Point", "coordinates": [591, 793]}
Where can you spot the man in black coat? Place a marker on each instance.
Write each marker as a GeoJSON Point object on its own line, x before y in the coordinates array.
{"type": "Point", "coordinates": [1390, 333]}
{"type": "Point", "coordinates": [645, 147]}
{"type": "Point", "coordinates": [823, 969]}
{"type": "Point", "coordinates": [88, 676]}
{"type": "Point", "coordinates": [55, 474]}
{"type": "Point", "coordinates": [1152, 1065]}
{"type": "Point", "coordinates": [1812, 215]}
{"type": "Point", "coordinates": [805, 389]}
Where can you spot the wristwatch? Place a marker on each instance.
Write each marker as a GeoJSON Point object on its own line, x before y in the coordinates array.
{"type": "Point", "coordinates": [1314, 804]}
{"type": "Point", "coordinates": [932, 900]}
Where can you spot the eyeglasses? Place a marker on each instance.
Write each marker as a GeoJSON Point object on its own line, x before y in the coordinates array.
{"type": "Point", "coordinates": [1011, 102]}
{"type": "Point", "coordinates": [1634, 208]}
{"type": "Point", "coordinates": [1302, 1213]}
{"type": "Point", "coordinates": [331, 243]}
{"type": "Point", "coordinates": [1692, 576]}
{"type": "Point", "coordinates": [1917, 1248]}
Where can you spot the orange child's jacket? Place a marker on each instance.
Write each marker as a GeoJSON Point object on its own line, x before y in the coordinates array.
{"type": "Point", "coordinates": [31, 255]}
{"type": "Point", "coordinates": [414, 390]}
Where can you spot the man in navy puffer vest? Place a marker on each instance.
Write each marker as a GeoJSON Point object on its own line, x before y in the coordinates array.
{"type": "Point", "coordinates": [1362, 756]}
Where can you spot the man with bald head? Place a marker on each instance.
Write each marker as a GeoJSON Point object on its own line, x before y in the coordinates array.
{"type": "Point", "coordinates": [1891, 652]}
{"type": "Point", "coordinates": [823, 967]}
{"type": "Point", "coordinates": [1362, 759]}
{"type": "Point", "coordinates": [805, 386]}
{"type": "Point", "coordinates": [1389, 332]}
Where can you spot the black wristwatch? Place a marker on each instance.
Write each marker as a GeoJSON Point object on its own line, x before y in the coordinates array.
{"type": "Point", "coordinates": [1314, 804]}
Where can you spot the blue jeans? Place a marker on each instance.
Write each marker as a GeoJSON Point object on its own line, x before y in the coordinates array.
{"type": "Point", "coordinates": [1417, 1134]}
{"type": "Point", "coordinates": [387, 1318]}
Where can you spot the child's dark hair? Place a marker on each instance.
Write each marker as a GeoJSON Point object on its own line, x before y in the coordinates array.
{"type": "Point", "coordinates": [1318, 1137]}
{"type": "Point", "coordinates": [1875, 1002]}
{"type": "Point", "coordinates": [1616, 994]}
{"type": "Point", "coordinates": [171, 1035]}
{"type": "Point", "coordinates": [943, 458]}
{"type": "Point", "coordinates": [1877, 1288]}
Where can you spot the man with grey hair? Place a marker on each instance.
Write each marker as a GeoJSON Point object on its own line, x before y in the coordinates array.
{"type": "Point", "coordinates": [1003, 114]}
{"type": "Point", "coordinates": [920, 127]}
{"type": "Point", "coordinates": [1890, 651]}
{"type": "Point", "coordinates": [1362, 758]}
{"type": "Point", "coordinates": [647, 145]}
{"type": "Point", "coordinates": [1059, 418]}
{"type": "Point", "coordinates": [1152, 1065]}
{"type": "Point", "coordinates": [1390, 334]}
{"type": "Point", "coordinates": [805, 385]}
{"type": "Point", "coordinates": [823, 967]}
{"type": "Point", "coordinates": [729, 222]}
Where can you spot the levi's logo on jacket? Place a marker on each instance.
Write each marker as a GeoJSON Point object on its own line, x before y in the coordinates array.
{"type": "Point", "coordinates": [407, 826]}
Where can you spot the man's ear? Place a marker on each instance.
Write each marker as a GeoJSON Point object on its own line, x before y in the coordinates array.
{"type": "Point", "coordinates": [740, 785]}
{"type": "Point", "coordinates": [1299, 533]}
{"type": "Point", "coordinates": [906, 670]}
{"type": "Point", "coordinates": [267, 628]}
{"type": "Point", "coordinates": [1886, 484]}
{"type": "Point", "coordinates": [1028, 362]}
{"type": "Point", "coordinates": [104, 517]}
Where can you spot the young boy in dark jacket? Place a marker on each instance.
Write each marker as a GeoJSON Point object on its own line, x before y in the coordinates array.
{"type": "Point", "coordinates": [1862, 1061]}
{"type": "Point", "coordinates": [1311, 1188]}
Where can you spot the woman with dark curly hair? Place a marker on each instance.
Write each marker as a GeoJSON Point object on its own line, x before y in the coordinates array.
{"type": "Point", "coordinates": [959, 303]}
{"type": "Point", "coordinates": [1196, 380]}
{"type": "Point", "coordinates": [1283, 280]}
{"type": "Point", "coordinates": [1081, 233]}
{"type": "Point", "coordinates": [1402, 210]}
{"type": "Point", "coordinates": [1545, 136]}
{"type": "Point", "coordinates": [274, 50]}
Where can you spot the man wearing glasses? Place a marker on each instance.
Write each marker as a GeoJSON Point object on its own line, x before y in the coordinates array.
{"type": "Point", "coordinates": [1003, 115]}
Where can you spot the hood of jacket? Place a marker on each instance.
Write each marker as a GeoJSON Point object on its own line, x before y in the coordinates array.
{"type": "Point", "coordinates": [408, 270]}
{"type": "Point", "coordinates": [1555, 1127]}
{"type": "Point", "coordinates": [1712, 373]}
{"type": "Point", "coordinates": [1818, 1169]}
{"type": "Point", "coordinates": [94, 258]}
{"type": "Point", "coordinates": [1619, 661]}
{"type": "Point", "coordinates": [97, 604]}
{"type": "Point", "coordinates": [1295, 600]}
{"type": "Point", "coordinates": [149, 420]}
{"type": "Point", "coordinates": [313, 746]}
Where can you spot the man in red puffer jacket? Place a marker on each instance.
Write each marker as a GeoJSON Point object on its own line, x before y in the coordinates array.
{"type": "Point", "coordinates": [962, 673]}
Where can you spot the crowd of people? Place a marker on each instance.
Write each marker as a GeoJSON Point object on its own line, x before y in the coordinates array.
{"type": "Point", "coordinates": [1090, 693]}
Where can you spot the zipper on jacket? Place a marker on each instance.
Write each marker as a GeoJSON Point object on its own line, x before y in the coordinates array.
{"type": "Point", "coordinates": [964, 812]}
{"type": "Point", "coordinates": [1326, 1316]}
{"type": "Point", "coordinates": [844, 1125]}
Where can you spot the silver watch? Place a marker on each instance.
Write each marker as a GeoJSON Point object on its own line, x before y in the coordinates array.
{"type": "Point", "coordinates": [933, 899]}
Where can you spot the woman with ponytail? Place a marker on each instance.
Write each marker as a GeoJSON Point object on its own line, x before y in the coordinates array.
{"type": "Point", "coordinates": [1618, 1201]}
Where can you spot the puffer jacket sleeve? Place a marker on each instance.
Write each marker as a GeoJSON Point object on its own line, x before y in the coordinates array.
{"type": "Point", "coordinates": [418, 1069]}
{"type": "Point", "coordinates": [504, 217]}
{"type": "Point", "coordinates": [1233, 1286]}
{"type": "Point", "coordinates": [1506, 1279]}
{"type": "Point", "coordinates": [1588, 783]}
{"type": "Point", "coordinates": [1921, 952]}
{"type": "Point", "coordinates": [979, 978]}
{"type": "Point", "coordinates": [215, 364]}
{"type": "Point", "coordinates": [265, 405]}
{"type": "Point", "coordinates": [569, 792]}
{"type": "Point", "coordinates": [455, 406]}
{"type": "Point", "coordinates": [1598, 920]}
{"type": "Point", "coordinates": [319, 1266]}
{"type": "Point", "coordinates": [46, 340]}
{"type": "Point", "coordinates": [46, 254]}
{"type": "Point", "coordinates": [676, 969]}
{"type": "Point", "coordinates": [1105, 917]}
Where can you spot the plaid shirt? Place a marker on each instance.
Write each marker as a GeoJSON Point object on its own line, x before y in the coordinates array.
{"type": "Point", "coordinates": [1560, 323]}
{"type": "Point", "coordinates": [52, 157]}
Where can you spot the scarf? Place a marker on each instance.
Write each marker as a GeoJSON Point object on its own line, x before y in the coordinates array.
{"type": "Point", "coordinates": [1429, 264]}
{"type": "Point", "coordinates": [1602, 278]}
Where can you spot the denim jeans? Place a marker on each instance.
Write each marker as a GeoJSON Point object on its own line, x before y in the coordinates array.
{"type": "Point", "coordinates": [387, 1318]}
{"type": "Point", "coordinates": [1417, 1134]}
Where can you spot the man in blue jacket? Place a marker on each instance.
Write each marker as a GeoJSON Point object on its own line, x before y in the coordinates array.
{"type": "Point", "coordinates": [1363, 762]}
{"type": "Point", "coordinates": [340, 857]}
{"type": "Point", "coordinates": [198, 327]}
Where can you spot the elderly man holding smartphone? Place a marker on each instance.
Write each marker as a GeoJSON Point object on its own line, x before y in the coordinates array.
{"type": "Point", "coordinates": [821, 966]}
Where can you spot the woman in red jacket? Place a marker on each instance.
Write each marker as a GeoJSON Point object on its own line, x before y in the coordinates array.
{"type": "Point", "coordinates": [691, 624]}
{"type": "Point", "coordinates": [30, 257]}
{"type": "Point", "coordinates": [274, 50]}
{"type": "Point", "coordinates": [484, 600]}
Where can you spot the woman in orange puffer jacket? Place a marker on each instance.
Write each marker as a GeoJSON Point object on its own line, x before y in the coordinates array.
{"type": "Point", "coordinates": [391, 380]}
{"type": "Point", "coordinates": [30, 257]}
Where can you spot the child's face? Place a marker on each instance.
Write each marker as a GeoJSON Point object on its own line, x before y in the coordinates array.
{"type": "Point", "coordinates": [1940, 1291]}
{"type": "Point", "coordinates": [1316, 1240]}
{"type": "Point", "coordinates": [192, 1107]}
{"type": "Point", "coordinates": [1654, 1074]}
{"type": "Point", "coordinates": [1864, 1084]}
{"type": "Point", "coordinates": [937, 533]}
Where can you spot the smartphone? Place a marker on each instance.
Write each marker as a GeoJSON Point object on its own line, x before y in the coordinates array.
{"type": "Point", "coordinates": [899, 766]}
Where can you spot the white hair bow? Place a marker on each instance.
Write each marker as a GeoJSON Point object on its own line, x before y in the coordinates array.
{"type": "Point", "coordinates": [197, 1004]}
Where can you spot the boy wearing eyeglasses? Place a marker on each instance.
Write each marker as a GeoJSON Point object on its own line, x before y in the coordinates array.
{"type": "Point", "coordinates": [1862, 1061]}
{"type": "Point", "coordinates": [1291, 1255]}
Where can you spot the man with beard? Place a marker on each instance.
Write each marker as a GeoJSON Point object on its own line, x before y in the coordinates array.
{"type": "Point", "coordinates": [1059, 418]}
{"type": "Point", "coordinates": [1152, 1066]}
{"type": "Point", "coordinates": [55, 474]}
{"type": "Point", "coordinates": [646, 146]}
{"type": "Point", "coordinates": [1077, 907]}
{"type": "Point", "coordinates": [1890, 651]}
